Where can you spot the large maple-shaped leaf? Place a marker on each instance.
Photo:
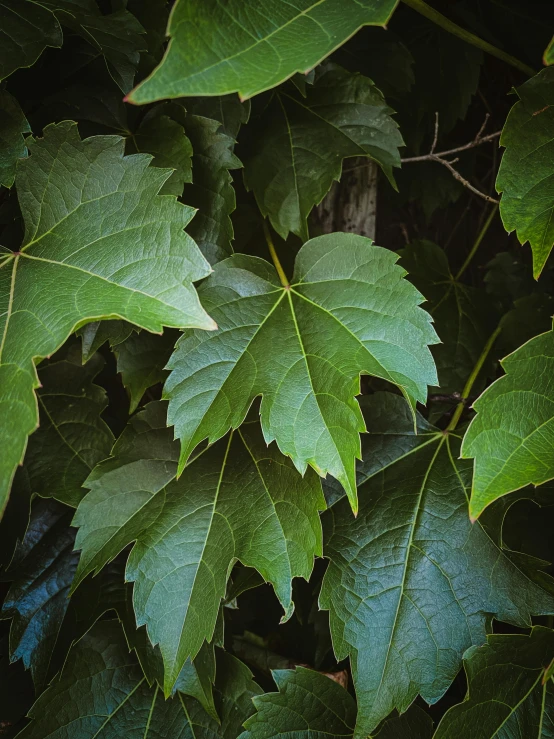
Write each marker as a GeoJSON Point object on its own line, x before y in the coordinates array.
{"type": "Point", "coordinates": [509, 693]}
{"type": "Point", "coordinates": [26, 29]}
{"type": "Point", "coordinates": [41, 573]}
{"type": "Point", "coordinates": [526, 174]}
{"type": "Point", "coordinates": [410, 581]}
{"type": "Point", "coordinates": [99, 243]}
{"type": "Point", "coordinates": [297, 147]}
{"type": "Point", "coordinates": [215, 49]}
{"type": "Point", "coordinates": [303, 347]}
{"type": "Point", "coordinates": [309, 704]}
{"type": "Point", "coordinates": [13, 126]}
{"type": "Point", "coordinates": [102, 693]}
{"type": "Point", "coordinates": [237, 500]}
{"type": "Point", "coordinates": [512, 436]}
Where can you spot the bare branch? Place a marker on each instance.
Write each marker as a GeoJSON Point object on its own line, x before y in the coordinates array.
{"type": "Point", "coordinates": [440, 156]}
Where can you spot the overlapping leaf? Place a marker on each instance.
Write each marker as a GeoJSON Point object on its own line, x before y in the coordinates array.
{"type": "Point", "coordinates": [41, 573]}
{"type": "Point", "coordinates": [512, 436]}
{"type": "Point", "coordinates": [99, 242]}
{"type": "Point", "coordinates": [211, 190]}
{"type": "Point", "coordinates": [303, 347]}
{"type": "Point", "coordinates": [117, 36]}
{"type": "Point", "coordinates": [164, 137]}
{"type": "Point", "coordinates": [411, 580]}
{"type": "Point", "coordinates": [526, 174]}
{"type": "Point", "coordinates": [26, 29]}
{"type": "Point", "coordinates": [13, 126]}
{"type": "Point", "coordinates": [215, 49]}
{"type": "Point", "coordinates": [296, 149]}
{"type": "Point", "coordinates": [102, 694]}
{"type": "Point", "coordinates": [509, 692]}
{"type": "Point", "coordinates": [72, 436]}
{"type": "Point", "coordinates": [237, 500]}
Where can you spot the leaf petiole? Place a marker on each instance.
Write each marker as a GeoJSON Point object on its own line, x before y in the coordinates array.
{"type": "Point", "coordinates": [271, 246]}
{"type": "Point", "coordinates": [471, 379]}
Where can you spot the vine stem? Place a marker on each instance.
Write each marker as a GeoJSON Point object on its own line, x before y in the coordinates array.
{"type": "Point", "coordinates": [271, 246]}
{"type": "Point", "coordinates": [477, 242]}
{"type": "Point", "coordinates": [471, 380]}
{"type": "Point", "coordinates": [433, 15]}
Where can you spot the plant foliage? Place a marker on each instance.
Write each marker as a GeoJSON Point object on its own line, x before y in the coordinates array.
{"type": "Point", "coordinates": [262, 475]}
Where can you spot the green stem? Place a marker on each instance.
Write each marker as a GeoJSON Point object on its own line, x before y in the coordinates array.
{"type": "Point", "coordinates": [273, 252]}
{"type": "Point", "coordinates": [477, 243]}
{"type": "Point", "coordinates": [433, 15]}
{"type": "Point", "coordinates": [471, 380]}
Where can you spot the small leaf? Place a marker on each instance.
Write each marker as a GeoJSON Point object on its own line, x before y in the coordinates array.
{"type": "Point", "coordinates": [507, 694]}
{"type": "Point", "coordinates": [99, 243]}
{"type": "Point", "coordinates": [236, 500]}
{"type": "Point", "coordinates": [72, 437]}
{"type": "Point", "coordinates": [26, 29]}
{"type": "Point", "coordinates": [464, 317]}
{"type": "Point", "coordinates": [164, 138]}
{"type": "Point", "coordinates": [41, 573]}
{"type": "Point", "coordinates": [212, 190]}
{"type": "Point", "coordinates": [216, 50]}
{"type": "Point", "coordinates": [302, 348]}
{"type": "Point", "coordinates": [526, 174]}
{"type": "Point", "coordinates": [405, 598]}
{"type": "Point", "coordinates": [229, 110]}
{"type": "Point", "coordinates": [13, 126]}
{"type": "Point", "coordinates": [117, 36]}
{"type": "Point", "coordinates": [296, 149]}
{"type": "Point", "coordinates": [141, 360]}
{"type": "Point", "coordinates": [548, 57]}
{"type": "Point", "coordinates": [512, 435]}
{"type": "Point", "coordinates": [308, 704]}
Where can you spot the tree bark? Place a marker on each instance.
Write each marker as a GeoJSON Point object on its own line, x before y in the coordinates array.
{"type": "Point", "coordinates": [351, 204]}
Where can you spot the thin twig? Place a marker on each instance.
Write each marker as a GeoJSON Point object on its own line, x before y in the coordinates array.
{"type": "Point", "coordinates": [440, 156]}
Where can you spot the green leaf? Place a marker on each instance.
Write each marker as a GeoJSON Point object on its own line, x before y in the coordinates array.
{"type": "Point", "coordinates": [141, 360]}
{"type": "Point", "coordinates": [507, 695]}
{"type": "Point", "coordinates": [117, 36]}
{"type": "Point", "coordinates": [526, 174]}
{"type": "Point", "coordinates": [71, 430]}
{"type": "Point", "coordinates": [463, 316]}
{"type": "Point", "coordinates": [99, 243]}
{"type": "Point", "coordinates": [308, 704]}
{"type": "Point", "coordinates": [237, 500]}
{"type": "Point", "coordinates": [297, 148]}
{"type": "Point", "coordinates": [26, 29]}
{"type": "Point", "coordinates": [215, 50]}
{"type": "Point", "coordinates": [102, 693]}
{"type": "Point", "coordinates": [229, 110]}
{"type": "Point", "coordinates": [96, 334]}
{"type": "Point", "coordinates": [548, 56]}
{"type": "Point", "coordinates": [411, 582]}
{"type": "Point", "coordinates": [164, 138]}
{"type": "Point", "coordinates": [41, 573]}
{"type": "Point", "coordinates": [512, 435]}
{"type": "Point", "coordinates": [13, 126]}
{"type": "Point", "coordinates": [302, 348]}
{"type": "Point", "coordinates": [212, 190]}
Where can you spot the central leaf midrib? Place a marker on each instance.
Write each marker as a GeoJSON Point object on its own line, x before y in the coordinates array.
{"type": "Point", "coordinates": [201, 558]}
{"type": "Point", "coordinates": [413, 526]}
